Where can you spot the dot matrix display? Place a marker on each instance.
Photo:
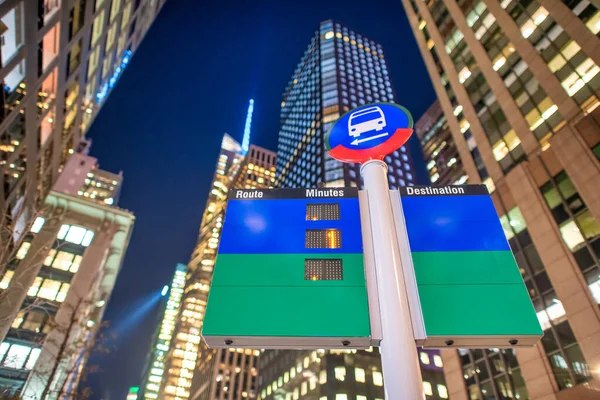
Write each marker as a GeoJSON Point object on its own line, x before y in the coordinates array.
{"type": "Point", "coordinates": [323, 239]}
{"type": "Point", "coordinates": [323, 270]}
{"type": "Point", "coordinates": [323, 212]}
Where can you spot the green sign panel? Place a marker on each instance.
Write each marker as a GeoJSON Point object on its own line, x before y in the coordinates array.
{"type": "Point", "coordinates": [290, 272]}
{"type": "Point", "coordinates": [470, 290]}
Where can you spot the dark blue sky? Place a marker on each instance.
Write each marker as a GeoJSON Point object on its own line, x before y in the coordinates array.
{"type": "Point", "coordinates": [188, 83]}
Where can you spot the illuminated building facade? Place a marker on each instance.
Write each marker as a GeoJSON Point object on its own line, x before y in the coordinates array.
{"type": "Point", "coordinates": [439, 150]}
{"type": "Point", "coordinates": [338, 375]}
{"type": "Point", "coordinates": [257, 170]}
{"type": "Point", "coordinates": [161, 344]}
{"type": "Point", "coordinates": [339, 71]}
{"type": "Point", "coordinates": [518, 84]}
{"type": "Point", "coordinates": [55, 289]}
{"type": "Point", "coordinates": [59, 60]}
{"type": "Point", "coordinates": [192, 370]}
{"type": "Point", "coordinates": [82, 177]}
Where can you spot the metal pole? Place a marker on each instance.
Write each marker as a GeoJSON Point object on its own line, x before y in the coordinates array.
{"type": "Point", "coordinates": [401, 371]}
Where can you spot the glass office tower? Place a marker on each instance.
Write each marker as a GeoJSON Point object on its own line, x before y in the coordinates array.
{"type": "Point", "coordinates": [339, 70]}
{"type": "Point", "coordinates": [518, 85]}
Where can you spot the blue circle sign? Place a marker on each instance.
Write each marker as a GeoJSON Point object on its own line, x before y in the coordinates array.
{"type": "Point", "coordinates": [369, 132]}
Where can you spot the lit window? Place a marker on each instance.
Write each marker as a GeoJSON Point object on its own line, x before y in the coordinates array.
{"type": "Point", "coordinates": [306, 362]}
{"type": "Point", "coordinates": [340, 373]}
{"type": "Point", "coordinates": [571, 234]}
{"type": "Point", "coordinates": [499, 62]}
{"type": "Point", "coordinates": [75, 265]}
{"type": "Point", "coordinates": [3, 347]}
{"type": "Point", "coordinates": [323, 376]}
{"type": "Point", "coordinates": [23, 250]}
{"type": "Point", "coordinates": [63, 231]}
{"type": "Point", "coordinates": [341, 396]}
{"type": "Point", "coordinates": [62, 294]}
{"type": "Point", "coordinates": [33, 357]}
{"type": "Point", "coordinates": [329, 35]}
{"type": "Point", "coordinates": [75, 234]}
{"type": "Point", "coordinates": [593, 23]}
{"type": "Point", "coordinates": [33, 290]}
{"type": "Point", "coordinates": [18, 320]}
{"type": "Point", "coordinates": [377, 378]}
{"type": "Point", "coordinates": [361, 397]}
{"type": "Point", "coordinates": [442, 391]}
{"type": "Point", "coordinates": [437, 360]}
{"type": "Point", "coordinates": [49, 289]}
{"type": "Point", "coordinates": [49, 257]}
{"type": "Point", "coordinates": [427, 388]}
{"type": "Point", "coordinates": [37, 224]}
{"type": "Point", "coordinates": [15, 358]}
{"type": "Point", "coordinates": [359, 375]}
{"type": "Point", "coordinates": [313, 384]}
{"type": "Point", "coordinates": [464, 74]}
{"type": "Point", "coordinates": [6, 279]}
{"type": "Point", "coordinates": [63, 261]}
{"type": "Point", "coordinates": [87, 239]}
{"type": "Point", "coordinates": [296, 394]}
{"type": "Point", "coordinates": [424, 358]}
{"type": "Point", "coordinates": [303, 388]}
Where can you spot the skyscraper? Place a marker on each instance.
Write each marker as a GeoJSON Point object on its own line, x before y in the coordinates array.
{"type": "Point", "coordinates": [439, 150]}
{"type": "Point", "coordinates": [192, 370]}
{"type": "Point", "coordinates": [155, 368]}
{"type": "Point", "coordinates": [339, 70]}
{"type": "Point", "coordinates": [518, 84]}
{"type": "Point", "coordinates": [59, 60]}
{"type": "Point", "coordinates": [54, 291]}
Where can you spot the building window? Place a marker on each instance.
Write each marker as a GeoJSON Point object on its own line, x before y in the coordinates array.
{"type": "Point", "coordinates": [359, 375]}
{"type": "Point", "coordinates": [340, 373]}
{"type": "Point", "coordinates": [437, 361]}
{"type": "Point", "coordinates": [23, 250]}
{"type": "Point", "coordinates": [322, 376]}
{"type": "Point", "coordinates": [577, 226]}
{"type": "Point", "coordinates": [37, 224]}
{"type": "Point", "coordinates": [76, 234]}
{"type": "Point", "coordinates": [443, 391]}
{"type": "Point", "coordinates": [427, 388]}
{"type": "Point", "coordinates": [424, 358]}
{"type": "Point", "coordinates": [377, 378]}
{"type": "Point", "coordinates": [17, 356]}
{"type": "Point", "coordinates": [49, 289]}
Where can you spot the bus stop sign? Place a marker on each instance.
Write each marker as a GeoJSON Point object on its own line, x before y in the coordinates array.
{"type": "Point", "coordinates": [369, 132]}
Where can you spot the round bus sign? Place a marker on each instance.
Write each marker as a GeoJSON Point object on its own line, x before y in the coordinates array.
{"type": "Point", "coordinates": [369, 132]}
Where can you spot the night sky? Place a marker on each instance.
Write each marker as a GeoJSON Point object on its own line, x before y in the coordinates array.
{"type": "Point", "coordinates": [188, 83]}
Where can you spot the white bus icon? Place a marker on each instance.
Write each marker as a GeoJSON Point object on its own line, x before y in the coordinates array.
{"type": "Point", "coordinates": [366, 120]}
